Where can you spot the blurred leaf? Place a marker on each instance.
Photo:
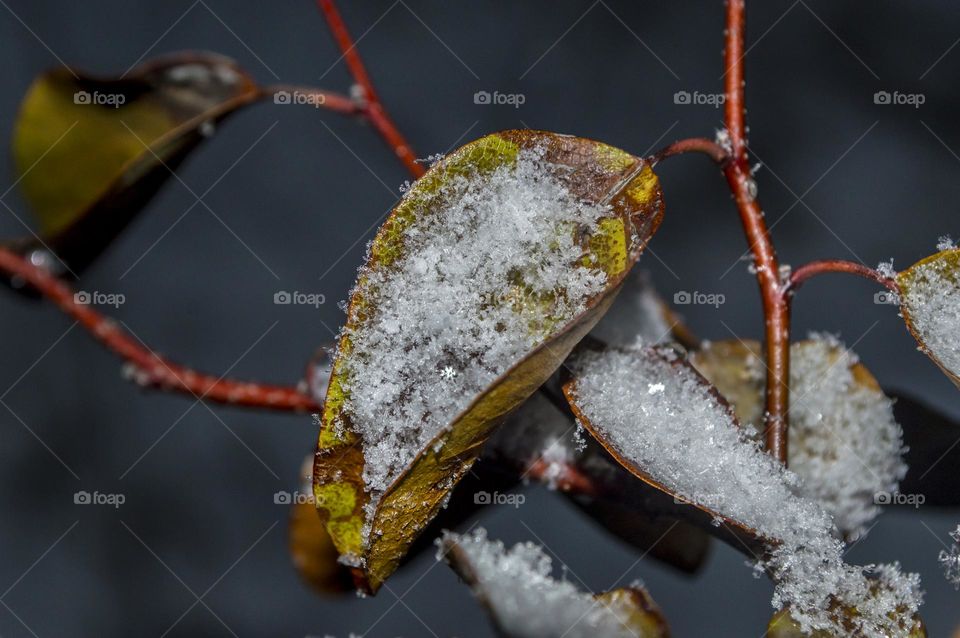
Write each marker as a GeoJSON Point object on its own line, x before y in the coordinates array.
{"type": "Point", "coordinates": [90, 152]}
{"type": "Point", "coordinates": [530, 609]}
{"type": "Point", "coordinates": [930, 306]}
{"type": "Point", "coordinates": [782, 625]}
{"type": "Point", "coordinates": [729, 366]}
{"type": "Point", "coordinates": [597, 173]}
{"type": "Point", "coordinates": [670, 541]}
{"type": "Point", "coordinates": [311, 548]}
{"type": "Point", "coordinates": [842, 472]}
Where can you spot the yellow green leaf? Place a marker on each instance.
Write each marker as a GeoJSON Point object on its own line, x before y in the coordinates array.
{"type": "Point", "coordinates": [587, 168]}
{"type": "Point", "coordinates": [90, 152]}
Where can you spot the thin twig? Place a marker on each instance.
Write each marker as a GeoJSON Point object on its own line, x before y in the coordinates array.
{"type": "Point", "coordinates": [318, 98]}
{"type": "Point", "coordinates": [371, 105]}
{"type": "Point", "coordinates": [148, 368]}
{"type": "Point", "coordinates": [693, 145]}
{"type": "Point", "coordinates": [814, 268]}
{"type": "Point", "coordinates": [776, 308]}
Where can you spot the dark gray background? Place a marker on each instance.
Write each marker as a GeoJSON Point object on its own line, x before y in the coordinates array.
{"type": "Point", "coordinates": [842, 177]}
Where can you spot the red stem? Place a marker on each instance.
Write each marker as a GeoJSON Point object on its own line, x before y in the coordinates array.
{"type": "Point", "coordinates": [776, 308]}
{"type": "Point", "coordinates": [693, 145]}
{"type": "Point", "coordinates": [325, 99]}
{"type": "Point", "coordinates": [371, 106]}
{"type": "Point", "coordinates": [814, 268]}
{"type": "Point", "coordinates": [149, 368]}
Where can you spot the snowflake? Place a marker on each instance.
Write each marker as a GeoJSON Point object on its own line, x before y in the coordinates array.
{"type": "Point", "coordinates": [950, 560]}
{"type": "Point", "coordinates": [448, 373]}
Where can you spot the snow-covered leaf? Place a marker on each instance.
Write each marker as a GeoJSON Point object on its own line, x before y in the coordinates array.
{"type": "Point", "coordinates": [844, 441]}
{"type": "Point", "coordinates": [668, 425]}
{"type": "Point", "coordinates": [541, 442]}
{"type": "Point", "coordinates": [108, 144]}
{"type": "Point", "coordinates": [492, 267]}
{"type": "Point", "coordinates": [525, 601]}
{"type": "Point", "coordinates": [930, 305]}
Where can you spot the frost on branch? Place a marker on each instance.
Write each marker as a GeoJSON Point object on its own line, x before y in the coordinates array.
{"type": "Point", "coordinates": [485, 276]}
{"type": "Point", "coordinates": [685, 440]}
{"type": "Point", "coordinates": [845, 444]}
{"type": "Point", "coordinates": [930, 305]}
{"type": "Point", "coordinates": [525, 601]}
{"type": "Point", "coordinates": [950, 559]}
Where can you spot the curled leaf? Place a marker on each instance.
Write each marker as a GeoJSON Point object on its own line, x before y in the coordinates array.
{"type": "Point", "coordinates": [90, 152]}
{"type": "Point", "coordinates": [524, 601]}
{"type": "Point", "coordinates": [493, 266]}
{"type": "Point", "coordinates": [670, 427]}
{"type": "Point", "coordinates": [930, 305]}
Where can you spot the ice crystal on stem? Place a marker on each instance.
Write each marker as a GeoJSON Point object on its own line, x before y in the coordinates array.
{"type": "Point", "coordinates": [950, 559]}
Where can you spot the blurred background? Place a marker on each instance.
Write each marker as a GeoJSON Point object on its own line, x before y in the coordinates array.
{"type": "Point", "coordinates": [199, 547]}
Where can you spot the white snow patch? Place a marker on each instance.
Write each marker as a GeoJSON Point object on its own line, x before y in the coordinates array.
{"type": "Point", "coordinates": [687, 440]}
{"type": "Point", "coordinates": [527, 601]}
{"type": "Point", "coordinates": [843, 439]}
{"type": "Point", "coordinates": [886, 269]}
{"type": "Point", "coordinates": [950, 559]}
{"type": "Point", "coordinates": [465, 301]}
